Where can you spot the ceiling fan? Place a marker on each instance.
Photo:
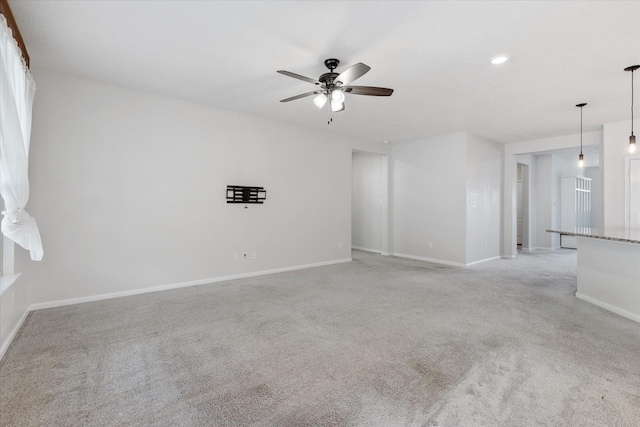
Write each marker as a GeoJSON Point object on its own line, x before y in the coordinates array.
{"type": "Point", "coordinates": [333, 86]}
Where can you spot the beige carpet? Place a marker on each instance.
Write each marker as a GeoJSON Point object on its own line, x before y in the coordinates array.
{"type": "Point", "coordinates": [380, 341]}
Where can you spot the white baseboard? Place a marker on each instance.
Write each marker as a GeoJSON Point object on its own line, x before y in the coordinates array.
{"type": "Point", "coordinates": [609, 307]}
{"type": "Point", "coordinates": [60, 303]}
{"type": "Point", "coordinates": [538, 248]}
{"type": "Point", "coordinates": [433, 260]}
{"type": "Point", "coordinates": [483, 260]}
{"type": "Point", "coordinates": [71, 301]}
{"type": "Point", "coordinates": [5, 345]}
{"type": "Point", "coordinates": [358, 248]}
{"type": "Point", "coordinates": [439, 261]}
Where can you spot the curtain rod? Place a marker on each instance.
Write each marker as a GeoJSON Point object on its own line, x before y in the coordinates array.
{"type": "Point", "coordinates": [11, 21]}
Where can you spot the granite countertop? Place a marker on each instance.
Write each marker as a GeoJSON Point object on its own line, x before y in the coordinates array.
{"type": "Point", "coordinates": [617, 235]}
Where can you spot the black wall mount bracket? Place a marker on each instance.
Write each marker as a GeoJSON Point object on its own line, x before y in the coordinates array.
{"type": "Point", "coordinates": [246, 195]}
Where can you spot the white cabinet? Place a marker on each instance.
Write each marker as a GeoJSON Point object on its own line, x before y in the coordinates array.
{"type": "Point", "coordinates": [575, 207]}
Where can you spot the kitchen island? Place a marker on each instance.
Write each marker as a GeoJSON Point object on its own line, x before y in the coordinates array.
{"type": "Point", "coordinates": [609, 269]}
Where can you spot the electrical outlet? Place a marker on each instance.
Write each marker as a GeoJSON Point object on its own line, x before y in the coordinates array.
{"type": "Point", "coordinates": [235, 256]}
{"type": "Point", "coordinates": [430, 244]}
{"type": "Point", "coordinates": [340, 245]}
{"type": "Point", "coordinates": [254, 255]}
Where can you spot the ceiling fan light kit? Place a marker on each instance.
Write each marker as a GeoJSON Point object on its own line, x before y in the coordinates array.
{"type": "Point", "coordinates": [333, 86]}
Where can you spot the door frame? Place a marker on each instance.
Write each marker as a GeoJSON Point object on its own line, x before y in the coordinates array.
{"type": "Point", "coordinates": [385, 216]}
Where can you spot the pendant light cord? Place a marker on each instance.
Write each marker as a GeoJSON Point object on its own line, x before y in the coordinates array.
{"type": "Point", "coordinates": [580, 130]}
{"type": "Point", "coordinates": [632, 101]}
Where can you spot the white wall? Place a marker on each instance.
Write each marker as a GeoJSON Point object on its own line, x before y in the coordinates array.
{"type": "Point", "coordinates": [446, 193]}
{"type": "Point", "coordinates": [549, 170]}
{"type": "Point", "coordinates": [366, 202]}
{"type": "Point", "coordinates": [544, 197]}
{"type": "Point", "coordinates": [128, 189]}
{"type": "Point", "coordinates": [14, 300]}
{"type": "Point", "coordinates": [567, 164]}
{"type": "Point", "coordinates": [429, 204]}
{"type": "Point", "coordinates": [529, 204]}
{"type": "Point", "coordinates": [483, 180]}
{"type": "Point", "coordinates": [594, 174]}
{"type": "Point", "coordinates": [547, 215]}
{"type": "Point", "coordinates": [615, 152]}
{"type": "Point", "coordinates": [613, 141]}
{"type": "Point", "coordinates": [608, 192]}
{"type": "Point", "coordinates": [511, 151]}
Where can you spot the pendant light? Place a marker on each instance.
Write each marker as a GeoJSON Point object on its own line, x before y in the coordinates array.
{"type": "Point", "coordinates": [581, 156]}
{"type": "Point", "coordinates": [632, 138]}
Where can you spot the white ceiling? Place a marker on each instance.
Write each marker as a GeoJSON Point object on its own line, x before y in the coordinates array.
{"type": "Point", "coordinates": [435, 54]}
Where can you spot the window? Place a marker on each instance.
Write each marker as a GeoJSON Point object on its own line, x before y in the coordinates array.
{"type": "Point", "coordinates": [17, 90]}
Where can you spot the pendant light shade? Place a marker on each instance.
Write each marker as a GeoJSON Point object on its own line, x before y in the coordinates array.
{"type": "Point", "coordinates": [581, 156]}
{"type": "Point", "coordinates": [320, 100]}
{"type": "Point", "coordinates": [337, 96]}
{"type": "Point", "coordinates": [632, 138]}
{"type": "Point", "coordinates": [337, 106]}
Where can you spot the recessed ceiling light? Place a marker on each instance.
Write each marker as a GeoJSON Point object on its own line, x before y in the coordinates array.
{"type": "Point", "coordinates": [500, 59]}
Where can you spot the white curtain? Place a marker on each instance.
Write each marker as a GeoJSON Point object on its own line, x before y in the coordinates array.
{"type": "Point", "coordinates": [17, 90]}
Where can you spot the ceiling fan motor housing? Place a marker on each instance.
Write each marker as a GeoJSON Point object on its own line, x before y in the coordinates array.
{"type": "Point", "coordinates": [328, 78]}
{"type": "Point", "coordinates": [331, 63]}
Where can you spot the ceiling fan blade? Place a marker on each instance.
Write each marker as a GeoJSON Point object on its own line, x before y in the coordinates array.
{"type": "Point", "coordinates": [352, 73]}
{"type": "Point", "coordinates": [303, 95]}
{"type": "Point", "coordinates": [368, 90]}
{"type": "Point", "coordinates": [299, 77]}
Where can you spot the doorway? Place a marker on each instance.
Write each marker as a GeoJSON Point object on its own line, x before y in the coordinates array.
{"type": "Point", "coordinates": [369, 202]}
{"type": "Point", "coordinates": [522, 207]}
